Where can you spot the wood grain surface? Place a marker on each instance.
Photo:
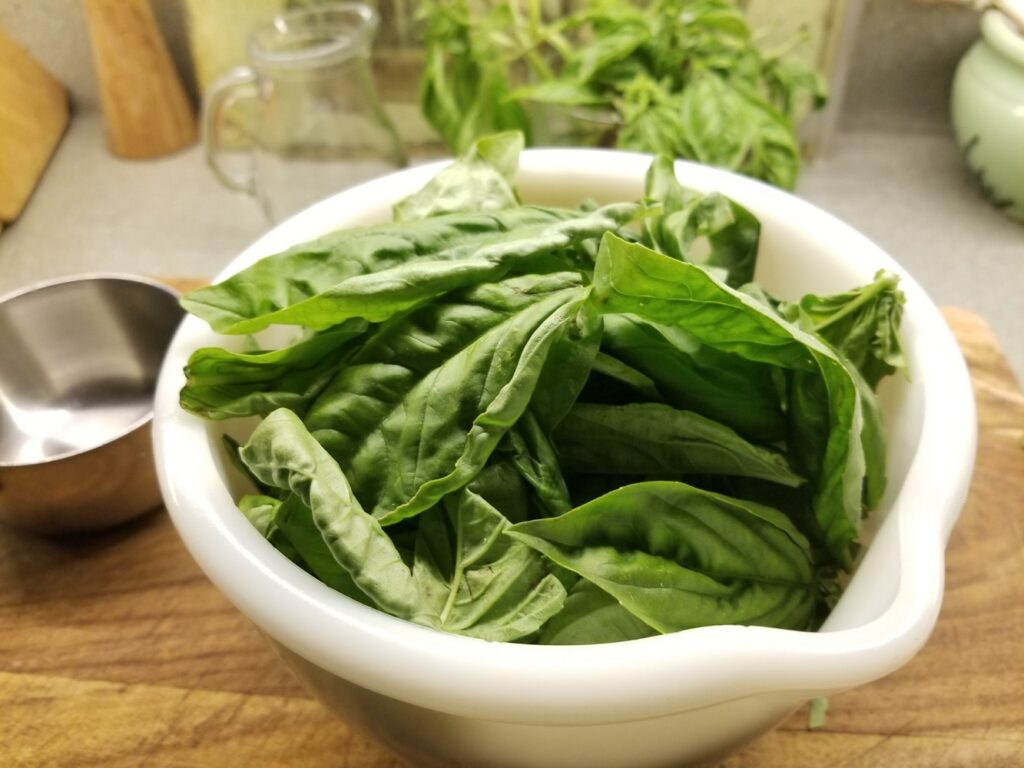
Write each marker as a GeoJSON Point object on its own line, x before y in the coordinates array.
{"type": "Point", "coordinates": [116, 651]}
{"type": "Point", "coordinates": [33, 116]}
{"type": "Point", "coordinates": [145, 108]}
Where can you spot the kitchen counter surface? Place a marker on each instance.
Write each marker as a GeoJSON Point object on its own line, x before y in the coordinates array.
{"type": "Point", "coordinates": [907, 190]}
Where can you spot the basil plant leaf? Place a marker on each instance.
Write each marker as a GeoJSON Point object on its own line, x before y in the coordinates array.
{"type": "Point", "coordinates": [632, 278]}
{"type": "Point", "coordinates": [862, 324]}
{"type": "Point", "coordinates": [567, 368]}
{"type": "Point", "coordinates": [378, 271]}
{"type": "Point", "coordinates": [282, 454]}
{"type": "Point", "coordinates": [728, 124]}
{"type": "Point", "coordinates": [503, 486]}
{"type": "Point", "coordinates": [464, 87]}
{"type": "Point", "coordinates": [534, 457]}
{"type": "Point", "coordinates": [293, 520]}
{"type": "Point", "coordinates": [677, 557]}
{"type": "Point", "coordinates": [477, 581]}
{"type": "Point", "coordinates": [615, 370]}
{"type": "Point", "coordinates": [221, 385]}
{"type": "Point", "coordinates": [710, 230]}
{"type": "Point", "coordinates": [590, 616]}
{"type": "Point", "coordinates": [480, 181]}
{"type": "Point", "coordinates": [656, 439]}
{"type": "Point", "coordinates": [692, 375]}
{"type": "Point", "coordinates": [262, 512]}
{"type": "Point", "coordinates": [436, 390]}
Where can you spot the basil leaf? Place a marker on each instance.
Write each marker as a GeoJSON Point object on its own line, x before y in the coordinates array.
{"type": "Point", "coordinates": [725, 122]}
{"type": "Point", "coordinates": [502, 485]}
{"type": "Point", "coordinates": [222, 385]}
{"type": "Point", "coordinates": [566, 91]}
{"type": "Point", "coordinates": [282, 454]}
{"type": "Point", "coordinates": [632, 278]}
{"type": "Point", "coordinates": [873, 439]}
{"type": "Point", "coordinates": [464, 87]}
{"type": "Point", "coordinates": [590, 616]}
{"type": "Point", "coordinates": [294, 521]}
{"type": "Point", "coordinates": [534, 457]}
{"type": "Point", "coordinates": [862, 324]}
{"type": "Point", "coordinates": [477, 581]}
{"type": "Point", "coordinates": [689, 374]}
{"type": "Point", "coordinates": [260, 511]}
{"type": "Point", "coordinates": [677, 557]}
{"type": "Point", "coordinates": [689, 222]}
{"type": "Point", "coordinates": [436, 390]}
{"type": "Point", "coordinates": [480, 181]}
{"type": "Point", "coordinates": [567, 368]}
{"type": "Point", "coordinates": [374, 272]}
{"type": "Point", "coordinates": [618, 371]}
{"type": "Point", "coordinates": [654, 439]}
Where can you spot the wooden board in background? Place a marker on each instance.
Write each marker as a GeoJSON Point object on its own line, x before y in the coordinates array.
{"type": "Point", "coordinates": [33, 116]}
{"type": "Point", "coordinates": [116, 651]}
{"type": "Point", "coordinates": [145, 109]}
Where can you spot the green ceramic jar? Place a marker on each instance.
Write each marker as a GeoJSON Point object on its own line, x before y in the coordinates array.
{"type": "Point", "coordinates": [988, 112]}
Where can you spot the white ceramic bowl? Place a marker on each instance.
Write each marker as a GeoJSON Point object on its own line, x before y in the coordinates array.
{"type": "Point", "coordinates": [680, 699]}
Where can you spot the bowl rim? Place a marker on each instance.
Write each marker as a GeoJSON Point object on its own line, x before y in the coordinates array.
{"type": "Point", "coordinates": [615, 682]}
{"type": "Point", "coordinates": [85, 277]}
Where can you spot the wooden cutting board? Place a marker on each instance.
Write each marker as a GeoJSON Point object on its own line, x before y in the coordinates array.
{"type": "Point", "coordinates": [116, 651]}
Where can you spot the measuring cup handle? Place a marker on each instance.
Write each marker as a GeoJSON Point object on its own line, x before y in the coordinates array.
{"type": "Point", "coordinates": [233, 87]}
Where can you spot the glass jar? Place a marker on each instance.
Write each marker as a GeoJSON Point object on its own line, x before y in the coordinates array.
{"type": "Point", "coordinates": [315, 125]}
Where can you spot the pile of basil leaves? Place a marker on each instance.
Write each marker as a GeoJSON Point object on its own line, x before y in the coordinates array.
{"type": "Point", "coordinates": [554, 425]}
{"type": "Point", "coordinates": [685, 78]}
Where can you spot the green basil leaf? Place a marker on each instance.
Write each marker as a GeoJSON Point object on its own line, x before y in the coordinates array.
{"type": "Point", "coordinates": [567, 368]}
{"type": "Point", "coordinates": [534, 457]}
{"type": "Point", "coordinates": [590, 616]}
{"type": "Point", "coordinates": [464, 87]}
{"type": "Point", "coordinates": [223, 385]}
{"type": "Point", "coordinates": [565, 91]}
{"type": "Point", "coordinates": [873, 439]}
{"type": "Point", "coordinates": [477, 581]}
{"type": "Point", "coordinates": [694, 376]}
{"type": "Point", "coordinates": [608, 48]}
{"type": "Point", "coordinates": [233, 450]}
{"type": "Point", "coordinates": [260, 511]}
{"type": "Point", "coordinates": [294, 520]}
{"type": "Point", "coordinates": [375, 271]}
{"type": "Point", "coordinates": [480, 181]}
{"type": "Point", "coordinates": [436, 390]}
{"type": "Point", "coordinates": [282, 454]}
{"type": "Point", "coordinates": [632, 278]}
{"type": "Point", "coordinates": [655, 439]}
{"type": "Point", "coordinates": [691, 222]}
{"type": "Point", "coordinates": [862, 324]}
{"type": "Point", "coordinates": [677, 557]}
{"type": "Point", "coordinates": [726, 123]}
{"type": "Point", "coordinates": [618, 371]}
{"type": "Point", "coordinates": [502, 485]}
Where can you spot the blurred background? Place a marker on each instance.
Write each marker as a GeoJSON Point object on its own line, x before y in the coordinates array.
{"type": "Point", "coordinates": [882, 155]}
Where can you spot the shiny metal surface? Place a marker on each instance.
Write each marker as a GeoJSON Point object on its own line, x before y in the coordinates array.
{"type": "Point", "coordinates": [78, 365]}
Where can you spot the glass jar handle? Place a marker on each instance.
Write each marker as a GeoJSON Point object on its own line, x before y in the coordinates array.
{"type": "Point", "coordinates": [235, 86]}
